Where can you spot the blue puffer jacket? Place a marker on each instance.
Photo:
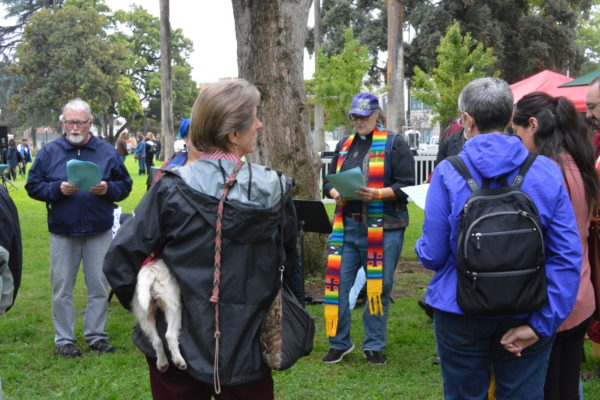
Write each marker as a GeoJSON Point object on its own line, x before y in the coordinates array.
{"type": "Point", "coordinates": [492, 155]}
{"type": "Point", "coordinates": [82, 213]}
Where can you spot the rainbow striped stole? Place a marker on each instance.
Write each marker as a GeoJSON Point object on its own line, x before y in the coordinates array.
{"type": "Point", "coordinates": [374, 237]}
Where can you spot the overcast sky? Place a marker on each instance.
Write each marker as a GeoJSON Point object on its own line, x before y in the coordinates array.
{"type": "Point", "coordinates": [210, 26]}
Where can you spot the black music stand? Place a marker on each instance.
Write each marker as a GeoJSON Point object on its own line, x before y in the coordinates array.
{"type": "Point", "coordinates": [3, 181]}
{"type": "Point", "coordinates": [312, 217]}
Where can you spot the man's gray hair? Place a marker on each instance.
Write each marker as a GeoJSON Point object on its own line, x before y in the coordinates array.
{"type": "Point", "coordinates": [489, 101]}
{"type": "Point", "coordinates": [77, 104]}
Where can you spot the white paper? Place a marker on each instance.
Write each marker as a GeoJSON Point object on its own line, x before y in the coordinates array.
{"type": "Point", "coordinates": [418, 194]}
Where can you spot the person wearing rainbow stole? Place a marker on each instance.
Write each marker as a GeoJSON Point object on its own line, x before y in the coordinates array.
{"type": "Point", "coordinates": [367, 232]}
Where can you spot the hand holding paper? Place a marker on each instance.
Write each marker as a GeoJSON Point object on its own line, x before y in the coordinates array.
{"type": "Point", "coordinates": [347, 183]}
{"type": "Point", "coordinates": [83, 174]}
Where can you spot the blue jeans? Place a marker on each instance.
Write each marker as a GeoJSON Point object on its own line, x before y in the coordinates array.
{"type": "Point", "coordinates": [354, 255]}
{"type": "Point", "coordinates": [468, 346]}
{"type": "Point", "coordinates": [142, 164]}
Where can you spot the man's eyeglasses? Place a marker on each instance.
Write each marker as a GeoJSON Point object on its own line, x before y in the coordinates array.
{"type": "Point", "coordinates": [355, 117]}
{"type": "Point", "coordinates": [78, 123]}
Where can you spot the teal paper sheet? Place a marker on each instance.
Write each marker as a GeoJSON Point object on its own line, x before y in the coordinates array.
{"type": "Point", "coordinates": [83, 174]}
{"type": "Point", "coordinates": [347, 182]}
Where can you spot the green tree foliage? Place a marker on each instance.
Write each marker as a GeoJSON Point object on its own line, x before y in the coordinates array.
{"type": "Point", "coordinates": [338, 77]}
{"type": "Point", "coordinates": [20, 11]}
{"type": "Point", "coordinates": [141, 34]}
{"type": "Point", "coordinates": [588, 37]}
{"type": "Point", "coordinates": [527, 36]}
{"type": "Point", "coordinates": [368, 21]}
{"type": "Point", "coordinates": [459, 61]}
{"type": "Point", "coordinates": [66, 54]}
{"type": "Point", "coordinates": [184, 93]}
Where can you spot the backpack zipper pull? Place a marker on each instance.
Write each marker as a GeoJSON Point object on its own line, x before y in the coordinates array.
{"type": "Point", "coordinates": [478, 243]}
{"type": "Point", "coordinates": [474, 274]}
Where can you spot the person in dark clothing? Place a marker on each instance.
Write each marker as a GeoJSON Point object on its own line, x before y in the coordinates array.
{"type": "Point", "coordinates": [451, 146]}
{"type": "Point", "coordinates": [13, 158]}
{"type": "Point", "coordinates": [177, 215]}
{"type": "Point", "coordinates": [387, 165]}
{"type": "Point", "coordinates": [11, 253]}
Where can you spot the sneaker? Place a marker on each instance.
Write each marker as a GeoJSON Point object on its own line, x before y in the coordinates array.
{"type": "Point", "coordinates": [68, 350]}
{"type": "Point", "coordinates": [102, 346]}
{"type": "Point", "coordinates": [375, 357]}
{"type": "Point", "coordinates": [335, 356]}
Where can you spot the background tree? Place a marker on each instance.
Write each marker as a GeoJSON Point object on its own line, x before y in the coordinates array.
{"type": "Point", "coordinates": [368, 20]}
{"type": "Point", "coordinates": [165, 81]}
{"type": "Point", "coordinates": [319, 114]}
{"type": "Point", "coordinates": [395, 66]}
{"type": "Point", "coordinates": [588, 37]}
{"type": "Point", "coordinates": [140, 32]}
{"type": "Point", "coordinates": [270, 37]}
{"type": "Point", "coordinates": [339, 77]}
{"type": "Point", "coordinates": [64, 55]}
{"type": "Point", "coordinates": [459, 61]}
{"type": "Point", "coordinates": [527, 36]}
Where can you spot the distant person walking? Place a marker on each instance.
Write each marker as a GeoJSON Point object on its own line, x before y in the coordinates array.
{"type": "Point", "coordinates": [79, 223]}
{"type": "Point", "coordinates": [140, 154]}
{"type": "Point", "coordinates": [13, 158]}
{"type": "Point", "coordinates": [122, 146]}
{"type": "Point", "coordinates": [25, 152]}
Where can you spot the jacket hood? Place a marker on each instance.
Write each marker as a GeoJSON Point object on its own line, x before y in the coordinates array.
{"type": "Point", "coordinates": [249, 216]}
{"type": "Point", "coordinates": [495, 154]}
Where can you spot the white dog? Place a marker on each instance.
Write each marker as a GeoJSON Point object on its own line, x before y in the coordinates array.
{"type": "Point", "coordinates": [157, 288]}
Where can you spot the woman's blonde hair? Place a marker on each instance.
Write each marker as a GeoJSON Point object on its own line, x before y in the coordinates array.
{"type": "Point", "coordinates": [221, 108]}
{"type": "Point", "coordinates": [149, 136]}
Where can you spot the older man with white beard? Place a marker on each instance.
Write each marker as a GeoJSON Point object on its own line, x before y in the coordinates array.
{"type": "Point", "coordinates": [79, 223]}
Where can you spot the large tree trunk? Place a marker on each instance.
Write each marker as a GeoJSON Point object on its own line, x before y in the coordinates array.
{"type": "Point", "coordinates": [166, 86]}
{"type": "Point", "coordinates": [319, 114]}
{"type": "Point", "coordinates": [270, 44]}
{"type": "Point", "coordinates": [395, 66]}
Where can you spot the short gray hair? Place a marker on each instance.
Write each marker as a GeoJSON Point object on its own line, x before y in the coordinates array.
{"type": "Point", "coordinates": [78, 104]}
{"type": "Point", "coordinates": [489, 101]}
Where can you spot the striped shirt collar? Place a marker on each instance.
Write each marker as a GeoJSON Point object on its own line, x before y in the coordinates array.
{"type": "Point", "coordinates": [220, 155]}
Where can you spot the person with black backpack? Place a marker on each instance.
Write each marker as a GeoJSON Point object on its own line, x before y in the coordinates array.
{"type": "Point", "coordinates": [500, 233]}
{"type": "Point", "coordinates": [552, 126]}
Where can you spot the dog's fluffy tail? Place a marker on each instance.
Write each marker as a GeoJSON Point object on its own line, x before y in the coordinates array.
{"type": "Point", "coordinates": [143, 288]}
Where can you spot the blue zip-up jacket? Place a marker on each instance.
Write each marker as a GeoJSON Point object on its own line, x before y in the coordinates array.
{"type": "Point", "coordinates": [492, 155]}
{"type": "Point", "coordinates": [140, 149]}
{"type": "Point", "coordinates": [82, 213]}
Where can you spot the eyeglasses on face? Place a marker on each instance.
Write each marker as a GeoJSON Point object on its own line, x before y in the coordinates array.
{"type": "Point", "coordinates": [78, 123]}
{"type": "Point", "coordinates": [355, 117]}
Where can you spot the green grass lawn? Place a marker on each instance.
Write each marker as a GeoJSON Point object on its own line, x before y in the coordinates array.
{"type": "Point", "coordinates": [30, 369]}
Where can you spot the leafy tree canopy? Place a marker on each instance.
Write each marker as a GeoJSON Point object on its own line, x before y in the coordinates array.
{"type": "Point", "coordinates": [339, 77]}
{"type": "Point", "coordinates": [527, 36]}
{"type": "Point", "coordinates": [588, 37]}
{"type": "Point", "coordinates": [368, 21]}
{"type": "Point", "coordinates": [65, 55]}
{"type": "Point", "coordinates": [459, 61]}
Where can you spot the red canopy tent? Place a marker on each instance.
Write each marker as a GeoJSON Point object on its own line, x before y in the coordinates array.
{"type": "Point", "coordinates": [545, 81]}
{"type": "Point", "coordinates": [574, 93]}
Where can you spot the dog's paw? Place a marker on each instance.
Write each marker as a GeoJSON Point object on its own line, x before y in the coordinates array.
{"type": "Point", "coordinates": [162, 366]}
{"type": "Point", "coordinates": [179, 363]}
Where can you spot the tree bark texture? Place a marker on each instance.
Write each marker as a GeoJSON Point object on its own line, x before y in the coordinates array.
{"type": "Point", "coordinates": [270, 44]}
{"type": "Point", "coordinates": [319, 144]}
{"type": "Point", "coordinates": [395, 66]}
{"type": "Point", "coordinates": [166, 85]}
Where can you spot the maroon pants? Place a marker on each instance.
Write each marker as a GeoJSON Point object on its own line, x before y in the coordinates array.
{"type": "Point", "coordinates": [176, 384]}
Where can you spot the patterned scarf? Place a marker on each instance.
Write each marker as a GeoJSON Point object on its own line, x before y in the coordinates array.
{"type": "Point", "coordinates": [374, 237]}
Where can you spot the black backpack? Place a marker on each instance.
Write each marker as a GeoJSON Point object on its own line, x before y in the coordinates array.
{"type": "Point", "coordinates": [500, 256]}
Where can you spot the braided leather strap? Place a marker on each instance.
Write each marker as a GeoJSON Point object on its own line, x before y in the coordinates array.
{"type": "Point", "coordinates": [214, 298]}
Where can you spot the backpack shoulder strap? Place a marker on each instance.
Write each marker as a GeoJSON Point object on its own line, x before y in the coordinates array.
{"type": "Point", "coordinates": [460, 166]}
{"type": "Point", "coordinates": [523, 170]}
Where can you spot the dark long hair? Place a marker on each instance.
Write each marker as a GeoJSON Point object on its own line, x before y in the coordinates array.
{"type": "Point", "coordinates": [560, 129]}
